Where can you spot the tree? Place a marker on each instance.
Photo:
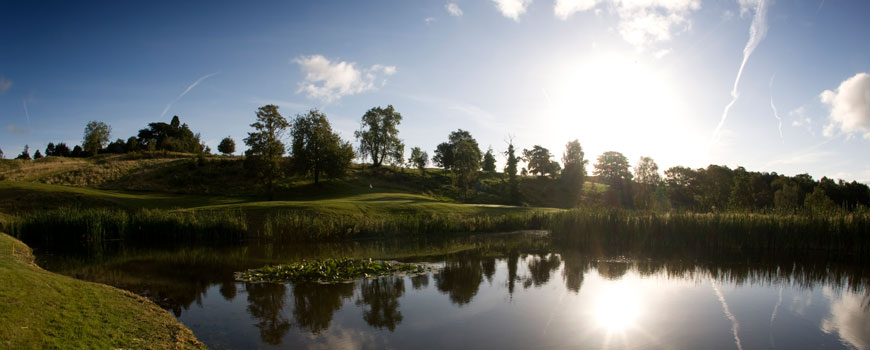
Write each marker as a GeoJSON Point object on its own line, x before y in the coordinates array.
{"type": "Point", "coordinates": [265, 149]}
{"type": "Point", "coordinates": [818, 203]}
{"type": "Point", "coordinates": [117, 147]}
{"type": "Point", "coordinates": [378, 135]}
{"type": "Point", "coordinates": [466, 158]}
{"type": "Point", "coordinates": [77, 152]}
{"type": "Point", "coordinates": [511, 171]}
{"type": "Point", "coordinates": [25, 154]}
{"type": "Point", "coordinates": [49, 150]}
{"type": "Point", "coordinates": [574, 174]}
{"type": "Point", "coordinates": [444, 155]}
{"type": "Point", "coordinates": [786, 198]}
{"type": "Point", "coordinates": [540, 161]}
{"type": "Point", "coordinates": [173, 137]}
{"type": "Point", "coordinates": [96, 137]}
{"type": "Point", "coordinates": [397, 155]}
{"type": "Point", "coordinates": [37, 155]}
{"type": "Point", "coordinates": [316, 149]}
{"type": "Point", "coordinates": [612, 169]}
{"type": "Point", "coordinates": [1, 154]}
{"type": "Point", "coordinates": [646, 175]}
{"type": "Point", "coordinates": [132, 144]}
{"type": "Point", "coordinates": [682, 185]}
{"type": "Point", "coordinates": [62, 150]}
{"type": "Point", "coordinates": [489, 161]}
{"type": "Point", "coordinates": [419, 159]}
{"type": "Point", "coordinates": [227, 146]}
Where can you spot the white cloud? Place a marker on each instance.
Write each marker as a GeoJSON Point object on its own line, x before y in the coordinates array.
{"type": "Point", "coordinates": [747, 6]}
{"type": "Point", "coordinates": [5, 84]}
{"type": "Point", "coordinates": [429, 20]}
{"type": "Point", "coordinates": [512, 8]}
{"type": "Point", "coordinates": [328, 81]}
{"type": "Point", "coordinates": [850, 106]}
{"type": "Point", "coordinates": [641, 22]}
{"type": "Point", "coordinates": [453, 9]}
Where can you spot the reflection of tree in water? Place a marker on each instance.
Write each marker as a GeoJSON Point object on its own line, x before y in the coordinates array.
{"type": "Point", "coordinates": [314, 304]}
{"type": "Point", "coordinates": [381, 295]}
{"type": "Point", "coordinates": [488, 265]}
{"type": "Point", "coordinates": [540, 269]}
{"type": "Point", "coordinates": [228, 289]}
{"type": "Point", "coordinates": [575, 268]}
{"type": "Point", "coordinates": [420, 281]}
{"type": "Point", "coordinates": [265, 303]}
{"type": "Point", "coordinates": [512, 261]}
{"type": "Point", "coordinates": [460, 278]}
{"type": "Point", "coordinates": [612, 270]}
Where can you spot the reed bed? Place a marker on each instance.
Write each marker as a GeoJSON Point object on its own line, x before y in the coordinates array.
{"type": "Point", "coordinates": [840, 233]}
{"type": "Point", "coordinates": [92, 226]}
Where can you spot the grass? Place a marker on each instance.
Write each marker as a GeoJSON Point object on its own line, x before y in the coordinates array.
{"type": "Point", "coordinates": [834, 235]}
{"type": "Point", "coordinates": [329, 271]}
{"type": "Point", "coordinates": [45, 310]}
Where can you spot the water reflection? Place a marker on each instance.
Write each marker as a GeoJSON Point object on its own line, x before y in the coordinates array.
{"type": "Point", "coordinates": [601, 300]}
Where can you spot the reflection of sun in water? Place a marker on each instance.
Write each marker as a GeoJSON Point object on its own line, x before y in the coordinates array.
{"type": "Point", "coordinates": [617, 308]}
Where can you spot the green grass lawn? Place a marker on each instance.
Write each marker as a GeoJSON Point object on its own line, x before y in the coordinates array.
{"type": "Point", "coordinates": [43, 310]}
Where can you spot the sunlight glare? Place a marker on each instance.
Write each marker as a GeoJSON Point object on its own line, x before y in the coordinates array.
{"type": "Point", "coordinates": [617, 308]}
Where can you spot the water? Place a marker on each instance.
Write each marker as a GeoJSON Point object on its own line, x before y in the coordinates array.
{"type": "Point", "coordinates": [502, 291]}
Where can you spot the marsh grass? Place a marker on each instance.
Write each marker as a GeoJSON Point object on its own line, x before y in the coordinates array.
{"type": "Point", "coordinates": [329, 271]}
{"type": "Point", "coordinates": [833, 234]}
{"type": "Point", "coordinates": [76, 226]}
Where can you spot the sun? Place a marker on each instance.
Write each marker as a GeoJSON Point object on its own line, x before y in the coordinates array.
{"type": "Point", "coordinates": [622, 104]}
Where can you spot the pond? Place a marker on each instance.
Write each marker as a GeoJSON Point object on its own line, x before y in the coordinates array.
{"type": "Point", "coordinates": [495, 291]}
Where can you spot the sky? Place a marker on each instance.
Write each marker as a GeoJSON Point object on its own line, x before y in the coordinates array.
{"type": "Point", "coordinates": [778, 86]}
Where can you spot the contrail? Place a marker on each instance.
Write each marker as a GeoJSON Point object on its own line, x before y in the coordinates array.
{"type": "Point", "coordinates": [734, 325]}
{"type": "Point", "coordinates": [820, 6]}
{"type": "Point", "coordinates": [204, 77]}
{"type": "Point", "coordinates": [775, 114]}
{"type": "Point", "coordinates": [757, 32]}
{"type": "Point", "coordinates": [26, 112]}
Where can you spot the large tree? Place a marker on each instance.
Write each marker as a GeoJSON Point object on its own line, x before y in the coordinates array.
{"type": "Point", "coordinates": [466, 162]}
{"type": "Point", "coordinates": [173, 137]}
{"type": "Point", "coordinates": [511, 170]}
{"type": "Point", "coordinates": [265, 149]}
{"type": "Point", "coordinates": [378, 137]}
{"type": "Point", "coordinates": [316, 149]}
{"type": "Point", "coordinates": [489, 161]}
{"type": "Point", "coordinates": [612, 169]}
{"type": "Point", "coordinates": [574, 174]}
{"type": "Point", "coordinates": [419, 159]}
{"type": "Point", "coordinates": [540, 161]}
{"type": "Point", "coordinates": [646, 175]}
{"type": "Point", "coordinates": [96, 137]}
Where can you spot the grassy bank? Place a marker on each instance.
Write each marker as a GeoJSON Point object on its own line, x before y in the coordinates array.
{"type": "Point", "coordinates": [43, 310]}
{"type": "Point", "coordinates": [831, 234]}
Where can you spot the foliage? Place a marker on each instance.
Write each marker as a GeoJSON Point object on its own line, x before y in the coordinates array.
{"type": "Point", "coordinates": [25, 154]}
{"type": "Point", "coordinates": [818, 203]}
{"type": "Point", "coordinates": [1, 154]}
{"type": "Point", "coordinates": [317, 150]}
{"type": "Point", "coordinates": [574, 175]}
{"type": "Point", "coordinates": [37, 155]}
{"type": "Point", "coordinates": [227, 146]}
{"type": "Point", "coordinates": [329, 270]}
{"type": "Point", "coordinates": [172, 137]}
{"type": "Point", "coordinates": [265, 149]}
{"type": "Point", "coordinates": [511, 171]}
{"type": "Point", "coordinates": [96, 137]}
{"type": "Point", "coordinates": [378, 136]}
{"type": "Point", "coordinates": [117, 147]}
{"type": "Point", "coordinates": [540, 161]}
{"type": "Point", "coordinates": [612, 168]}
{"type": "Point", "coordinates": [489, 161]}
{"type": "Point", "coordinates": [647, 172]}
{"type": "Point", "coordinates": [419, 159]}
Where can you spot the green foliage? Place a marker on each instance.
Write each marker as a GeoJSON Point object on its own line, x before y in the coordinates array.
{"type": "Point", "coordinates": [227, 146]}
{"type": "Point", "coordinates": [37, 155]}
{"type": "Point", "coordinates": [329, 270]}
{"type": "Point", "coordinates": [96, 137]}
{"type": "Point", "coordinates": [378, 137]}
{"type": "Point", "coordinates": [317, 150]}
{"type": "Point", "coordinates": [489, 161]}
{"type": "Point", "coordinates": [540, 161]}
{"type": "Point", "coordinates": [574, 175]}
{"type": "Point", "coordinates": [25, 154]}
{"type": "Point", "coordinates": [419, 159]}
{"type": "Point", "coordinates": [818, 203]}
{"type": "Point", "coordinates": [265, 149]}
{"type": "Point", "coordinates": [172, 137]}
{"type": "Point", "coordinates": [612, 168]}
{"type": "Point", "coordinates": [511, 171]}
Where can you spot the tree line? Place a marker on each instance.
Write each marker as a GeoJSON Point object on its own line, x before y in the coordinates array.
{"type": "Point", "coordinates": [315, 151]}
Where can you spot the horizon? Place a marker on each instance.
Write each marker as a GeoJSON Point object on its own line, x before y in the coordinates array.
{"type": "Point", "coordinates": [771, 86]}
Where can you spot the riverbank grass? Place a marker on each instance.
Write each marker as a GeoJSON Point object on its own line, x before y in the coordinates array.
{"type": "Point", "coordinates": [42, 310]}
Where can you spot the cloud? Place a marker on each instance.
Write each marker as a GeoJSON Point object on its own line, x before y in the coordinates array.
{"type": "Point", "coordinates": [189, 87]}
{"type": "Point", "coordinates": [328, 81]}
{"type": "Point", "coordinates": [512, 8]}
{"type": "Point", "coordinates": [429, 20]}
{"type": "Point", "coordinates": [5, 84]}
{"type": "Point", "coordinates": [453, 9]}
{"type": "Point", "coordinates": [12, 128]}
{"type": "Point", "coordinates": [747, 6]}
{"type": "Point", "coordinates": [641, 23]}
{"type": "Point", "coordinates": [849, 106]}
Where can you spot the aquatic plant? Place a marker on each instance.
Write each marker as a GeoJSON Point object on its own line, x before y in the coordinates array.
{"type": "Point", "coordinates": [330, 270]}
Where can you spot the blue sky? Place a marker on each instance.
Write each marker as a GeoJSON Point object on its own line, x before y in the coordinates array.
{"type": "Point", "coordinates": [646, 78]}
